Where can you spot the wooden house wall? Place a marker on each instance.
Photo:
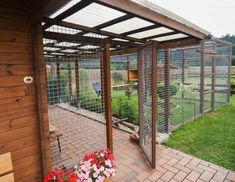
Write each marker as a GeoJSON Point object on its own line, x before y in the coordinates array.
{"type": "Point", "coordinates": [20, 102]}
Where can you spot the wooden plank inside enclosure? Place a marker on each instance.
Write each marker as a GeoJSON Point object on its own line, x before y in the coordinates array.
{"type": "Point", "coordinates": [107, 95]}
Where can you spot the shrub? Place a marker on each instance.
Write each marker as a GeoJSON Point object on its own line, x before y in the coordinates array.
{"type": "Point", "coordinates": [174, 88]}
{"type": "Point", "coordinates": [125, 108]}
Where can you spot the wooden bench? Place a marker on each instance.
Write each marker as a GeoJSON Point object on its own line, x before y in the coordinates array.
{"type": "Point", "coordinates": [6, 168]}
{"type": "Point", "coordinates": [55, 134]}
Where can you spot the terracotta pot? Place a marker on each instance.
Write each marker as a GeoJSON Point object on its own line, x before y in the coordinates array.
{"type": "Point", "coordinates": [107, 180]}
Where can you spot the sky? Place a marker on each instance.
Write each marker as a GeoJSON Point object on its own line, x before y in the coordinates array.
{"type": "Point", "coordinates": [215, 16]}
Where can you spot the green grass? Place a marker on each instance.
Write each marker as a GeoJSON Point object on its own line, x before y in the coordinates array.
{"type": "Point", "coordinates": [211, 138]}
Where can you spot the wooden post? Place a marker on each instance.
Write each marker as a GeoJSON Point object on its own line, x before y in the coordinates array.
{"type": "Point", "coordinates": [183, 71]}
{"type": "Point", "coordinates": [107, 95]}
{"type": "Point", "coordinates": [154, 102]}
{"type": "Point", "coordinates": [229, 73]}
{"type": "Point", "coordinates": [77, 83]}
{"type": "Point", "coordinates": [128, 70]}
{"type": "Point", "coordinates": [167, 90]}
{"type": "Point", "coordinates": [70, 80]}
{"type": "Point", "coordinates": [213, 71]}
{"type": "Point", "coordinates": [58, 80]}
{"type": "Point", "coordinates": [41, 92]}
{"type": "Point", "coordinates": [202, 77]}
{"type": "Point", "coordinates": [102, 83]}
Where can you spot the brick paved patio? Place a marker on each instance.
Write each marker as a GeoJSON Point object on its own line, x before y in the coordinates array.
{"type": "Point", "coordinates": [132, 165]}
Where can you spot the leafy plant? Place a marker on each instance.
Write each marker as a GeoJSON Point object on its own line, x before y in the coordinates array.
{"type": "Point", "coordinates": [174, 88]}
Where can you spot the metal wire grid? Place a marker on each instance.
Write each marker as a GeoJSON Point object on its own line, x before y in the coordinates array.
{"type": "Point", "coordinates": [145, 99]}
{"type": "Point", "coordinates": [75, 97]}
{"type": "Point", "coordinates": [222, 76]}
{"type": "Point", "coordinates": [120, 65]}
{"type": "Point", "coordinates": [183, 84]}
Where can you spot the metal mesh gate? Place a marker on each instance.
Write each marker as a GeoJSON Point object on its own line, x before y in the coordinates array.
{"type": "Point", "coordinates": [147, 102]}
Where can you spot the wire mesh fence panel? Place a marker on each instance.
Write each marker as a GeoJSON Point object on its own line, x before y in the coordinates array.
{"type": "Point", "coordinates": [222, 82]}
{"type": "Point", "coordinates": [75, 98]}
{"type": "Point", "coordinates": [124, 88]}
{"type": "Point", "coordinates": [145, 99]}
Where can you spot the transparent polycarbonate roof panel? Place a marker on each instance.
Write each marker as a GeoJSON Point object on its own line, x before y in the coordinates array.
{"type": "Point", "coordinates": [64, 8]}
{"type": "Point", "coordinates": [51, 49]}
{"type": "Point", "coordinates": [148, 33]}
{"type": "Point", "coordinates": [46, 41]}
{"type": "Point", "coordinates": [128, 25]}
{"type": "Point", "coordinates": [60, 29]}
{"type": "Point", "coordinates": [67, 44]}
{"type": "Point", "coordinates": [95, 35]}
{"type": "Point", "coordinates": [69, 51]}
{"type": "Point", "coordinates": [171, 37]}
{"type": "Point", "coordinates": [57, 53]}
{"type": "Point", "coordinates": [120, 39]}
{"type": "Point", "coordinates": [89, 47]}
{"type": "Point", "coordinates": [93, 15]}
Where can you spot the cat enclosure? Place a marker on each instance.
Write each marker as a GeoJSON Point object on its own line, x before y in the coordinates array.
{"type": "Point", "coordinates": [103, 59]}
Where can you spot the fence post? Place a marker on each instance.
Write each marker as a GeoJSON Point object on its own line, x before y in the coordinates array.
{"type": "Point", "coordinates": [77, 82]}
{"type": "Point", "coordinates": [107, 95]}
{"type": "Point", "coordinates": [58, 80]}
{"type": "Point", "coordinates": [229, 73]}
{"type": "Point", "coordinates": [202, 77]}
{"type": "Point", "coordinates": [183, 71]}
{"type": "Point", "coordinates": [128, 69]}
{"type": "Point", "coordinates": [167, 89]}
{"type": "Point", "coordinates": [213, 77]}
{"type": "Point", "coordinates": [70, 81]}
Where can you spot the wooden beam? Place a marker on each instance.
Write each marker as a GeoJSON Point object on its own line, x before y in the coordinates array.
{"type": "Point", "coordinates": [81, 39]}
{"type": "Point", "coordinates": [88, 29]}
{"type": "Point", "coordinates": [107, 95]}
{"type": "Point", "coordinates": [160, 35]}
{"type": "Point", "coordinates": [77, 7]}
{"type": "Point", "coordinates": [146, 13]}
{"type": "Point", "coordinates": [141, 29]}
{"type": "Point", "coordinates": [112, 22]}
{"type": "Point", "coordinates": [178, 43]}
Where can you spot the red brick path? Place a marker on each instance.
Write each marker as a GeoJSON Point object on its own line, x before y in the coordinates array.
{"type": "Point", "coordinates": [82, 135]}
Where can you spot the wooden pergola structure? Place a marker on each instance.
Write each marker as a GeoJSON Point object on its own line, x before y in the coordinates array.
{"type": "Point", "coordinates": [24, 129]}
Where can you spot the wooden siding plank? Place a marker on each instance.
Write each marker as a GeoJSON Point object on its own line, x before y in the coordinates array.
{"type": "Point", "coordinates": [14, 58]}
{"type": "Point", "coordinates": [18, 133]}
{"type": "Point", "coordinates": [8, 70]}
{"type": "Point", "coordinates": [19, 144]}
{"type": "Point", "coordinates": [14, 36]}
{"type": "Point", "coordinates": [8, 92]}
{"type": "Point", "coordinates": [14, 47]}
{"type": "Point", "coordinates": [17, 123]}
{"type": "Point", "coordinates": [11, 81]}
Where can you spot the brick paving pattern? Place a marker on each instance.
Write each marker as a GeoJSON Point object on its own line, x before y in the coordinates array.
{"type": "Point", "coordinates": [83, 135]}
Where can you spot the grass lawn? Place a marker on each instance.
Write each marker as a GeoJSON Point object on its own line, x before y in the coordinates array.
{"type": "Point", "coordinates": [211, 138]}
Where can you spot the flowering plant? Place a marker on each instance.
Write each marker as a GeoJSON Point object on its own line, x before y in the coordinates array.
{"type": "Point", "coordinates": [59, 175]}
{"type": "Point", "coordinates": [97, 166]}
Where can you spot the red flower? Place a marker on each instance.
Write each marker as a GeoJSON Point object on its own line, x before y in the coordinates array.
{"type": "Point", "coordinates": [102, 160]}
